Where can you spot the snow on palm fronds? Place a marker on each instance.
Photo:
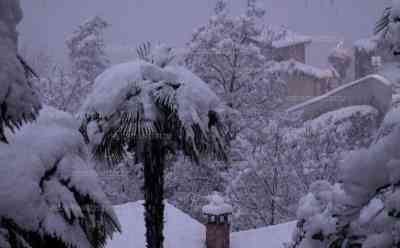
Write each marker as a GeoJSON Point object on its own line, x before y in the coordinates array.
{"type": "Point", "coordinates": [49, 191]}
{"type": "Point", "coordinates": [141, 100]}
{"type": "Point", "coordinates": [19, 102]}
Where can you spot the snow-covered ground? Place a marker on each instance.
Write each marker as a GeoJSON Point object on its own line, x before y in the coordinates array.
{"type": "Point", "coordinates": [181, 231]}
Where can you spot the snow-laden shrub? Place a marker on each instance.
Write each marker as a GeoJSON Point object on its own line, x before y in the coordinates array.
{"type": "Point", "coordinates": [49, 192]}
{"type": "Point", "coordinates": [363, 209]}
{"type": "Point", "coordinates": [279, 163]}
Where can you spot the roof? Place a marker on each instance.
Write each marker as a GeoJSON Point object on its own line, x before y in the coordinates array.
{"type": "Point", "coordinates": [283, 37]}
{"type": "Point", "coordinates": [182, 231]}
{"type": "Point", "coordinates": [180, 228]}
{"type": "Point", "coordinates": [293, 68]}
{"type": "Point", "coordinates": [271, 237]}
{"type": "Point", "coordinates": [373, 90]}
{"type": "Point", "coordinates": [291, 39]}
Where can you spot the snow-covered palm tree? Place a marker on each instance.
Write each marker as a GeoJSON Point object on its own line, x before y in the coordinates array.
{"type": "Point", "coordinates": [48, 190]}
{"type": "Point", "coordinates": [19, 101]}
{"type": "Point", "coordinates": [149, 108]}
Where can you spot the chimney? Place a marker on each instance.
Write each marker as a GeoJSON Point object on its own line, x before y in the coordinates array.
{"type": "Point", "coordinates": [218, 215]}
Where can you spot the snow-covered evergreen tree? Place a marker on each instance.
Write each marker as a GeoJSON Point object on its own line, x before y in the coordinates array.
{"type": "Point", "coordinates": [50, 196]}
{"type": "Point", "coordinates": [18, 99]}
{"type": "Point", "coordinates": [86, 50]}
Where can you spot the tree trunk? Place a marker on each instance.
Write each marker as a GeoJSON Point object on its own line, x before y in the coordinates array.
{"type": "Point", "coordinates": [154, 159]}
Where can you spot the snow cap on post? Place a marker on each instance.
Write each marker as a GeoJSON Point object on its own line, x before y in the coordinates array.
{"type": "Point", "coordinates": [217, 206]}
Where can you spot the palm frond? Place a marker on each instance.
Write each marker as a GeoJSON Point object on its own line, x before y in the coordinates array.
{"type": "Point", "coordinates": [96, 222]}
{"type": "Point", "coordinates": [165, 96]}
{"type": "Point", "coordinates": [121, 131]}
{"type": "Point", "coordinates": [383, 23]}
{"type": "Point", "coordinates": [111, 147]}
{"type": "Point", "coordinates": [194, 141]}
{"type": "Point", "coordinates": [144, 51]}
{"type": "Point", "coordinates": [12, 123]}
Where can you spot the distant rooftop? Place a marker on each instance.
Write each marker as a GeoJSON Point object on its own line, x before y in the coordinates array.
{"type": "Point", "coordinates": [293, 67]}
{"type": "Point", "coordinates": [284, 37]}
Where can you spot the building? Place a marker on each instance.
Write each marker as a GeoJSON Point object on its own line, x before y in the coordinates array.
{"type": "Point", "coordinates": [373, 90]}
{"type": "Point", "coordinates": [291, 46]}
{"type": "Point", "coordinates": [304, 81]}
{"type": "Point", "coordinates": [284, 44]}
{"type": "Point", "coordinates": [181, 231]}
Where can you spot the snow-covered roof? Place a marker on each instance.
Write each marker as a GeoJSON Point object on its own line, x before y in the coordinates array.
{"type": "Point", "coordinates": [293, 67]}
{"type": "Point", "coordinates": [271, 237]}
{"type": "Point", "coordinates": [182, 231]}
{"type": "Point", "coordinates": [291, 38]}
{"type": "Point", "coordinates": [284, 37]}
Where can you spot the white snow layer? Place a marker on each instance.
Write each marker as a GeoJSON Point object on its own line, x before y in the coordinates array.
{"type": "Point", "coordinates": [341, 115]}
{"type": "Point", "coordinates": [217, 206]}
{"type": "Point", "coordinates": [181, 231]}
{"type": "Point", "coordinates": [20, 98]}
{"type": "Point", "coordinates": [34, 195]}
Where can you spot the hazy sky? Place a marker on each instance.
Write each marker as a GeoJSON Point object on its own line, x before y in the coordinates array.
{"type": "Point", "coordinates": [47, 23]}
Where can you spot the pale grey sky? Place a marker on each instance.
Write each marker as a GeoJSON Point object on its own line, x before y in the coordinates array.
{"type": "Point", "coordinates": [47, 23]}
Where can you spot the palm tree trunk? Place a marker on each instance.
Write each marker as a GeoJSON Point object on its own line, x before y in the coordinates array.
{"type": "Point", "coordinates": [154, 159]}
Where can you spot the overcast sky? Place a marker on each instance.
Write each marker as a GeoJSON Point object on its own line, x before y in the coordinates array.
{"type": "Point", "coordinates": [47, 23]}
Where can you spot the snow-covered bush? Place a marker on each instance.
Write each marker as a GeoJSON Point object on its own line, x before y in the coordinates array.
{"type": "Point", "coordinates": [278, 163]}
{"type": "Point", "coordinates": [18, 99]}
{"type": "Point", "coordinates": [362, 209]}
{"type": "Point", "coordinates": [50, 196]}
